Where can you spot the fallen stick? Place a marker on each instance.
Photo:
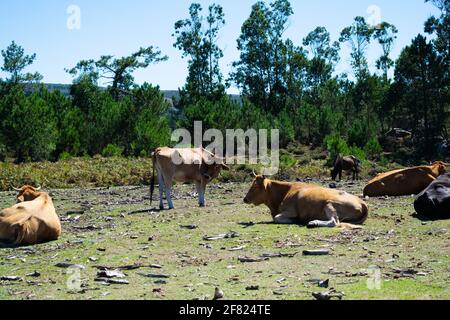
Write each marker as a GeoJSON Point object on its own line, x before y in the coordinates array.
{"type": "Point", "coordinates": [316, 252]}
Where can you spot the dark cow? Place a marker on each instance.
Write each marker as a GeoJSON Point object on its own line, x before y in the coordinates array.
{"type": "Point", "coordinates": [434, 201]}
{"type": "Point", "coordinates": [350, 163]}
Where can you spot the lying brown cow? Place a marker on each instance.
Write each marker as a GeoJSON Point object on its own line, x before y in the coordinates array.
{"type": "Point", "coordinates": [404, 182]}
{"type": "Point", "coordinates": [350, 163]}
{"type": "Point", "coordinates": [307, 204]}
{"type": "Point", "coordinates": [184, 165]}
{"type": "Point", "coordinates": [32, 220]}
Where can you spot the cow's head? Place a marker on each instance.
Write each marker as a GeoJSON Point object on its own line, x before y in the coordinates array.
{"type": "Point", "coordinates": [27, 193]}
{"type": "Point", "coordinates": [257, 193]}
{"type": "Point", "coordinates": [211, 166]}
{"type": "Point", "coordinates": [439, 168]}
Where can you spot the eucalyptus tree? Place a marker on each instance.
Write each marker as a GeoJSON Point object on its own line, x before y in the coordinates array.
{"type": "Point", "coordinates": [197, 38]}
{"type": "Point", "coordinates": [385, 34]}
{"type": "Point", "coordinates": [260, 71]}
{"type": "Point", "coordinates": [358, 36]}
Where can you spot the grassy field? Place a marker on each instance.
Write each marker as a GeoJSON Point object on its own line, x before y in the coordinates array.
{"type": "Point", "coordinates": [164, 255]}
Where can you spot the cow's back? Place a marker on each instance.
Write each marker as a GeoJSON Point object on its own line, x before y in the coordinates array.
{"type": "Point", "coordinates": [31, 222]}
{"type": "Point", "coordinates": [400, 182]}
{"type": "Point", "coordinates": [310, 203]}
{"type": "Point", "coordinates": [434, 201]}
{"type": "Point", "coordinates": [182, 165]}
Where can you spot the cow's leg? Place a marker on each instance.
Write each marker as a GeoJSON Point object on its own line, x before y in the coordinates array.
{"type": "Point", "coordinates": [331, 214]}
{"type": "Point", "coordinates": [201, 193]}
{"type": "Point", "coordinates": [282, 219]}
{"type": "Point", "coordinates": [168, 184]}
{"type": "Point", "coordinates": [340, 175]}
{"type": "Point", "coordinates": [162, 189]}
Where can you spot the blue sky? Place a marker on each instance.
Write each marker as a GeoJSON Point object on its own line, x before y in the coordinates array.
{"type": "Point", "coordinates": [120, 27]}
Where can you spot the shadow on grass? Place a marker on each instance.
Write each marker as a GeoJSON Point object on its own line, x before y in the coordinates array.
{"type": "Point", "coordinates": [425, 218]}
{"type": "Point", "coordinates": [4, 245]}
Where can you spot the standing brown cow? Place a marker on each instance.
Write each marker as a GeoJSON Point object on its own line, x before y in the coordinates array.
{"type": "Point", "coordinates": [184, 165]}
{"type": "Point", "coordinates": [350, 163]}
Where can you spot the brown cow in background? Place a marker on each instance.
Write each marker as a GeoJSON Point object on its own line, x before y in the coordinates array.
{"type": "Point", "coordinates": [404, 182]}
{"type": "Point", "coordinates": [32, 220]}
{"type": "Point", "coordinates": [349, 163]}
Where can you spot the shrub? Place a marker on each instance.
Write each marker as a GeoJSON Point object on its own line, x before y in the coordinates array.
{"type": "Point", "coordinates": [65, 156]}
{"type": "Point", "coordinates": [336, 145]}
{"type": "Point", "coordinates": [111, 151]}
{"type": "Point", "coordinates": [373, 149]}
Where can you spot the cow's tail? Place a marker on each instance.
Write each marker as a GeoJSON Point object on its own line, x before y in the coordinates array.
{"type": "Point", "coordinates": [152, 183]}
{"type": "Point", "coordinates": [358, 223]}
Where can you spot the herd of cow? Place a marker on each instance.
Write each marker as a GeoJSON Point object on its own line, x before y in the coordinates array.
{"type": "Point", "coordinates": [33, 219]}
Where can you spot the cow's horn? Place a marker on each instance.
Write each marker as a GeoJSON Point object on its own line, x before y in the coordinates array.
{"type": "Point", "coordinates": [254, 174]}
{"type": "Point", "coordinates": [38, 188]}
{"type": "Point", "coordinates": [17, 189]}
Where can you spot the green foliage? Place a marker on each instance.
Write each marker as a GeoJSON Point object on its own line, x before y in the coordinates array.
{"type": "Point", "coordinates": [358, 36]}
{"type": "Point", "coordinates": [3, 151]}
{"type": "Point", "coordinates": [29, 125]}
{"type": "Point", "coordinates": [260, 71]}
{"type": "Point", "coordinates": [15, 61]}
{"type": "Point", "coordinates": [373, 149]}
{"type": "Point", "coordinates": [197, 38]}
{"type": "Point", "coordinates": [284, 86]}
{"type": "Point", "coordinates": [336, 145]}
{"type": "Point", "coordinates": [65, 156]}
{"type": "Point", "coordinates": [111, 151]}
{"type": "Point", "coordinates": [118, 70]}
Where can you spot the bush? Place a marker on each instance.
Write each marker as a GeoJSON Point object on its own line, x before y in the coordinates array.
{"type": "Point", "coordinates": [336, 145]}
{"type": "Point", "coordinates": [2, 152]}
{"type": "Point", "coordinates": [30, 126]}
{"type": "Point", "coordinates": [65, 156]}
{"type": "Point", "coordinates": [373, 149]}
{"type": "Point", "coordinates": [111, 151]}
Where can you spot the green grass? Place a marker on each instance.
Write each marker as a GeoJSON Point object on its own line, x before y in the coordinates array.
{"type": "Point", "coordinates": [196, 266]}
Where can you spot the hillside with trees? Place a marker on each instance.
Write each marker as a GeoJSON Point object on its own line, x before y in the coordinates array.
{"type": "Point", "coordinates": [284, 85]}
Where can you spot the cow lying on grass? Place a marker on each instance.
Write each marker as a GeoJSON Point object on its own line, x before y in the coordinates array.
{"type": "Point", "coordinates": [184, 165]}
{"type": "Point", "coordinates": [307, 204]}
{"type": "Point", "coordinates": [404, 182]}
{"type": "Point", "coordinates": [434, 201]}
{"type": "Point", "coordinates": [32, 220]}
